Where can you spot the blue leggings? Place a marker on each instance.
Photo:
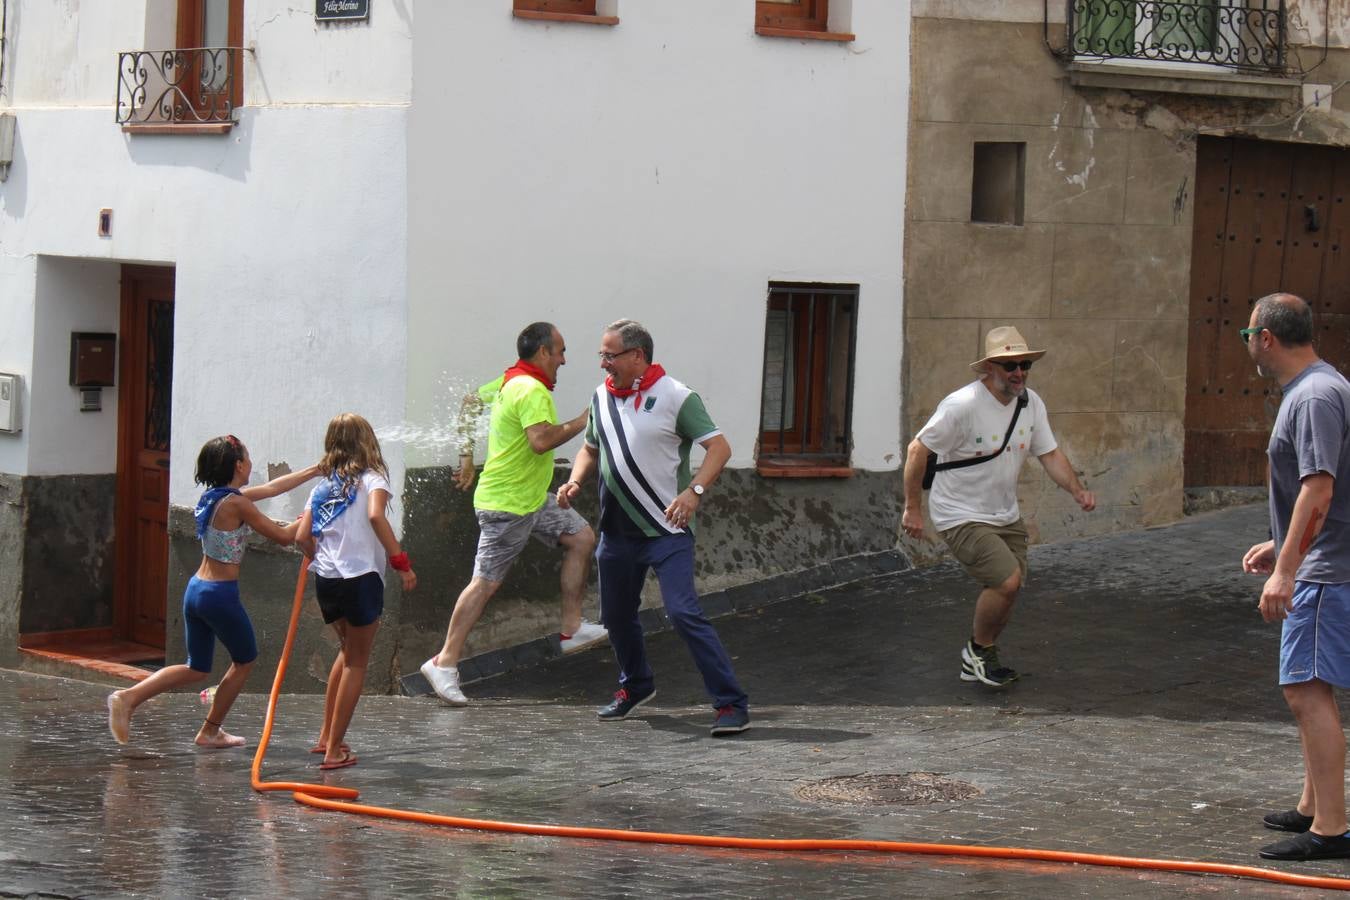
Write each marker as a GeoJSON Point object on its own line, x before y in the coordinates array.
{"type": "Point", "coordinates": [212, 609]}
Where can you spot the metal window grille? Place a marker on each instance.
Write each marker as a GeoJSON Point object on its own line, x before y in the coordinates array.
{"type": "Point", "coordinates": [177, 87]}
{"type": "Point", "coordinates": [1239, 34]}
{"type": "Point", "coordinates": [806, 404]}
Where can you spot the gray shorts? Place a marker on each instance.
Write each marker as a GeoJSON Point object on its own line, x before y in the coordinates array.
{"type": "Point", "coordinates": [502, 535]}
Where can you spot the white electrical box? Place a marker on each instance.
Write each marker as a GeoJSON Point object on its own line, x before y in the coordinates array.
{"type": "Point", "coordinates": [11, 416]}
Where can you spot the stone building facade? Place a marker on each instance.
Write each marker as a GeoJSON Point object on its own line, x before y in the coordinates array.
{"type": "Point", "coordinates": [1066, 193]}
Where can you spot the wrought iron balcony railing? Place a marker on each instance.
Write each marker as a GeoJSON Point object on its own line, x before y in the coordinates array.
{"type": "Point", "coordinates": [1238, 34]}
{"type": "Point", "coordinates": [177, 87]}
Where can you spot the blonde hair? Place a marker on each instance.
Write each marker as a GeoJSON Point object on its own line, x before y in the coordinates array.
{"type": "Point", "coordinates": [349, 448]}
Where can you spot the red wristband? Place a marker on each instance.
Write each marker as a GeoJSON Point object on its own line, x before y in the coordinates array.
{"type": "Point", "coordinates": [400, 562]}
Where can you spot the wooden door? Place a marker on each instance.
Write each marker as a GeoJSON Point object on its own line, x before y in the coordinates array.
{"type": "Point", "coordinates": [144, 403]}
{"type": "Point", "coordinates": [1268, 217]}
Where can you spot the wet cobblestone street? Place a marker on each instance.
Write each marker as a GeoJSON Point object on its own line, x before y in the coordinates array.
{"type": "Point", "coordinates": [1147, 723]}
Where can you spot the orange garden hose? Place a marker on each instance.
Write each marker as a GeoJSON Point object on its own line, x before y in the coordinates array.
{"type": "Point", "coordinates": [339, 800]}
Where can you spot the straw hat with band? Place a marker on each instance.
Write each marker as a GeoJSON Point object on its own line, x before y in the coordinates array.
{"type": "Point", "coordinates": [1005, 342]}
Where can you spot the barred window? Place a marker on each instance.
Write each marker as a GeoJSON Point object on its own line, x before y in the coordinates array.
{"type": "Point", "coordinates": [806, 406]}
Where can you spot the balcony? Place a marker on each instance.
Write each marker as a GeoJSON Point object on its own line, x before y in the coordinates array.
{"type": "Point", "coordinates": [1247, 36]}
{"type": "Point", "coordinates": [193, 90]}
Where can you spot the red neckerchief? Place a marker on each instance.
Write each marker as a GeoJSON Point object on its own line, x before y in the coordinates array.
{"type": "Point", "coordinates": [523, 368]}
{"type": "Point", "coordinates": [653, 374]}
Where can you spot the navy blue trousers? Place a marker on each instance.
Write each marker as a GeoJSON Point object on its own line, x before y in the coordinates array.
{"type": "Point", "coordinates": [623, 563]}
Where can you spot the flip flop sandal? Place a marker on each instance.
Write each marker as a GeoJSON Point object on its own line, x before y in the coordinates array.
{"type": "Point", "coordinates": [322, 748]}
{"type": "Point", "coordinates": [347, 760]}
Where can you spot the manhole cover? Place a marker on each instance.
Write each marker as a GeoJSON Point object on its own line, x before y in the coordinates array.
{"type": "Point", "coordinates": [913, 787]}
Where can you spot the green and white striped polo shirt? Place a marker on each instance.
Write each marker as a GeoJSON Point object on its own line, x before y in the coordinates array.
{"type": "Point", "coordinates": [644, 452]}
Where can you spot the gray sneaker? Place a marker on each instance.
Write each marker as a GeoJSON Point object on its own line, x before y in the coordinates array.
{"type": "Point", "coordinates": [444, 680]}
{"type": "Point", "coordinates": [983, 666]}
{"type": "Point", "coordinates": [730, 720]}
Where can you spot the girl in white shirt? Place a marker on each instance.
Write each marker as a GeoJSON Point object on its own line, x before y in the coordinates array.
{"type": "Point", "coordinates": [345, 531]}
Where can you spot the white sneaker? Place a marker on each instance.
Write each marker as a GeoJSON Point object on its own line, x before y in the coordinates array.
{"type": "Point", "coordinates": [589, 633]}
{"type": "Point", "coordinates": [444, 680]}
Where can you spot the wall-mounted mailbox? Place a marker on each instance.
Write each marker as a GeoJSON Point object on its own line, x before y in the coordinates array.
{"type": "Point", "coordinates": [93, 359]}
{"type": "Point", "coordinates": [11, 417]}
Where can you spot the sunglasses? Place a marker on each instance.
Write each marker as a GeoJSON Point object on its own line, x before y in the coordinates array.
{"type": "Point", "coordinates": [1248, 332]}
{"type": "Point", "coordinates": [1023, 364]}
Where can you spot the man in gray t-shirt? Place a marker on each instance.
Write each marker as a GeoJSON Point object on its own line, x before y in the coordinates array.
{"type": "Point", "coordinates": [1308, 564]}
{"type": "Point", "coordinates": [1310, 437]}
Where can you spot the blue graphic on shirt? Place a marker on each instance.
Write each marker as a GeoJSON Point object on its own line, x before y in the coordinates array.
{"type": "Point", "coordinates": [329, 501]}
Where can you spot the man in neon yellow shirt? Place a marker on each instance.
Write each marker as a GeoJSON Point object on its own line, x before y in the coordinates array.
{"type": "Point", "coordinates": [513, 502]}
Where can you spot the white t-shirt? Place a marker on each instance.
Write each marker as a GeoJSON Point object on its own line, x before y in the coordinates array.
{"type": "Point", "coordinates": [971, 422]}
{"type": "Point", "coordinates": [348, 547]}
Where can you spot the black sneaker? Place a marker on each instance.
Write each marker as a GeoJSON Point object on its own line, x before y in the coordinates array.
{"type": "Point", "coordinates": [983, 666]}
{"type": "Point", "coordinates": [623, 704]}
{"type": "Point", "coordinates": [1309, 845]}
{"type": "Point", "coordinates": [730, 720]}
{"type": "Point", "coordinates": [1292, 820]}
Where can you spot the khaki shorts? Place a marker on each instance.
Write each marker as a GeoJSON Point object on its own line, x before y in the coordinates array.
{"type": "Point", "coordinates": [503, 535]}
{"type": "Point", "coordinates": [990, 553]}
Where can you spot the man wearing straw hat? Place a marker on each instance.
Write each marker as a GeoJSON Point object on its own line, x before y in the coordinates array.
{"type": "Point", "coordinates": [981, 435]}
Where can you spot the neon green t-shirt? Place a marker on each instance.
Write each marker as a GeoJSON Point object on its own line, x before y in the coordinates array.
{"type": "Point", "coordinates": [515, 479]}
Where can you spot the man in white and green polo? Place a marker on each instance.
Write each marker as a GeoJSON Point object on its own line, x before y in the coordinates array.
{"type": "Point", "coordinates": [643, 423]}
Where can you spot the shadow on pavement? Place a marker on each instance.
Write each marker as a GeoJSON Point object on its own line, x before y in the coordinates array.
{"type": "Point", "coordinates": [1157, 623]}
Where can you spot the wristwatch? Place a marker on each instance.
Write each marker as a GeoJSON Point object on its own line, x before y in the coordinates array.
{"type": "Point", "coordinates": [697, 489]}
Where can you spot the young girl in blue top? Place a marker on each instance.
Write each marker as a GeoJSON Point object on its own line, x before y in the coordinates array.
{"type": "Point", "coordinates": [345, 530]}
{"type": "Point", "coordinates": [226, 516]}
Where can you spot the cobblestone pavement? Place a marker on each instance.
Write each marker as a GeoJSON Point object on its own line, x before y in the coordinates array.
{"type": "Point", "coordinates": [1147, 723]}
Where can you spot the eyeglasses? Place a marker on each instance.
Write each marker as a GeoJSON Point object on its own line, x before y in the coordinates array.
{"type": "Point", "coordinates": [1248, 332]}
{"type": "Point", "coordinates": [1023, 364]}
{"type": "Point", "coordinates": [610, 357]}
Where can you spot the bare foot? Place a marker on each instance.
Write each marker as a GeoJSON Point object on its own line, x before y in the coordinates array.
{"type": "Point", "coordinates": [119, 717]}
{"type": "Point", "coordinates": [322, 747]}
{"type": "Point", "coordinates": [221, 740]}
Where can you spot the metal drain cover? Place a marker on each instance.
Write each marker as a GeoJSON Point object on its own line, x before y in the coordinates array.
{"type": "Point", "coordinates": [912, 787]}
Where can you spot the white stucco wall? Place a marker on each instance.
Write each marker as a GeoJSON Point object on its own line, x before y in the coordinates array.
{"type": "Point", "coordinates": [287, 235]}
{"type": "Point", "coordinates": [65, 53]}
{"type": "Point", "coordinates": [18, 307]}
{"type": "Point", "coordinates": [72, 295]}
{"type": "Point", "coordinates": [666, 169]}
{"type": "Point", "coordinates": [1308, 20]}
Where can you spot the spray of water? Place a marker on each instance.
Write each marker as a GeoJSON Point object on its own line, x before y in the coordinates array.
{"type": "Point", "coordinates": [440, 440]}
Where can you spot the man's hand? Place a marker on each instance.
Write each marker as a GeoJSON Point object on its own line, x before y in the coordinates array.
{"type": "Point", "coordinates": [682, 508]}
{"type": "Point", "coordinates": [912, 522]}
{"type": "Point", "coordinates": [1277, 597]}
{"type": "Point", "coordinates": [566, 493]}
{"type": "Point", "coordinates": [465, 473]}
{"type": "Point", "coordinates": [1086, 501]}
{"type": "Point", "coordinates": [1260, 560]}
